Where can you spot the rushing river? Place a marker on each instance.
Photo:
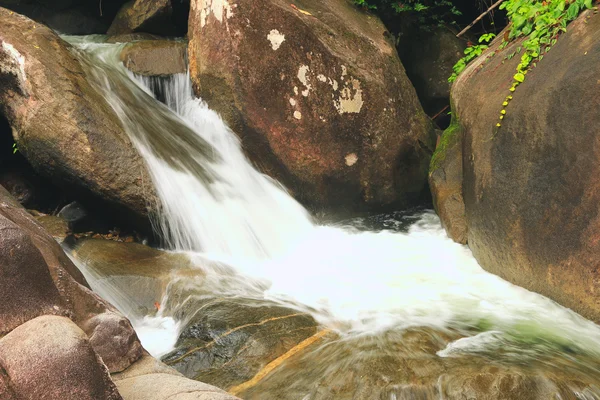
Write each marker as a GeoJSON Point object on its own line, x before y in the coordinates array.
{"type": "Point", "coordinates": [369, 280]}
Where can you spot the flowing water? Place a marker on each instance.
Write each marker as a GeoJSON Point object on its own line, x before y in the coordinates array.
{"type": "Point", "coordinates": [365, 279]}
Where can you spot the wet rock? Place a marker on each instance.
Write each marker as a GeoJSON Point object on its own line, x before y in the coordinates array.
{"type": "Point", "coordinates": [169, 387]}
{"type": "Point", "coordinates": [50, 358]}
{"type": "Point", "coordinates": [318, 96]}
{"type": "Point", "coordinates": [149, 16]}
{"type": "Point", "coordinates": [75, 138]}
{"type": "Point", "coordinates": [57, 227]}
{"type": "Point", "coordinates": [132, 37]}
{"type": "Point", "coordinates": [155, 58]}
{"type": "Point", "coordinates": [531, 188]}
{"type": "Point", "coordinates": [428, 57]}
{"type": "Point", "coordinates": [41, 279]}
{"type": "Point", "coordinates": [231, 341]}
{"type": "Point", "coordinates": [139, 272]}
{"type": "Point", "coordinates": [445, 182]}
{"type": "Point", "coordinates": [405, 365]}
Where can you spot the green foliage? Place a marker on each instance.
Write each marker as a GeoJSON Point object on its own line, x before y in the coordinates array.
{"type": "Point", "coordinates": [427, 12]}
{"type": "Point", "coordinates": [471, 53]}
{"type": "Point", "coordinates": [539, 22]}
{"type": "Point", "coordinates": [15, 148]}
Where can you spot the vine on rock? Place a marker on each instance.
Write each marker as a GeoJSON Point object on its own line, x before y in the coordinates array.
{"type": "Point", "coordinates": [540, 22]}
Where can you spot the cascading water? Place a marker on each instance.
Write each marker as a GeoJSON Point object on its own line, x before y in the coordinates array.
{"type": "Point", "coordinates": [357, 281]}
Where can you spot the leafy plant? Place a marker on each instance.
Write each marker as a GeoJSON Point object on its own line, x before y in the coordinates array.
{"type": "Point", "coordinates": [428, 12]}
{"type": "Point", "coordinates": [471, 53]}
{"type": "Point", "coordinates": [539, 22]}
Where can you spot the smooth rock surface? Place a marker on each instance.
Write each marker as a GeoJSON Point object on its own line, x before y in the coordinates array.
{"type": "Point", "coordinates": [66, 293]}
{"type": "Point", "coordinates": [50, 358]}
{"type": "Point", "coordinates": [318, 96]}
{"type": "Point", "coordinates": [531, 188]}
{"type": "Point", "coordinates": [74, 138]}
{"type": "Point", "coordinates": [155, 57]}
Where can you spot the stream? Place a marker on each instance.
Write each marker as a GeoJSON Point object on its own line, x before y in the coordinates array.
{"type": "Point", "coordinates": [397, 303]}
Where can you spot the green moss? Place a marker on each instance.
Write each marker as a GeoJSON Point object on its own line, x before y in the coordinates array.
{"type": "Point", "coordinates": [450, 136]}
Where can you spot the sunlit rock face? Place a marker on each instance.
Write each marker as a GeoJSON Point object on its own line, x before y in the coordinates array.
{"type": "Point", "coordinates": [318, 96]}
{"type": "Point", "coordinates": [531, 186]}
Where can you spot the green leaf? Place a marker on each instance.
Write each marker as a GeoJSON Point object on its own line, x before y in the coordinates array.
{"type": "Point", "coordinates": [519, 77]}
{"type": "Point", "coordinates": [587, 4]}
{"type": "Point", "coordinates": [573, 11]}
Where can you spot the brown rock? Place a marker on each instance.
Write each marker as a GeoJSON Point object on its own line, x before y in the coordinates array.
{"type": "Point", "coordinates": [55, 226]}
{"type": "Point", "coordinates": [132, 37]}
{"type": "Point", "coordinates": [318, 96]}
{"type": "Point", "coordinates": [531, 188]}
{"type": "Point", "coordinates": [149, 16]}
{"type": "Point", "coordinates": [445, 182]}
{"type": "Point", "coordinates": [155, 57]}
{"type": "Point", "coordinates": [50, 358]}
{"type": "Point", "coordinates": [111, 333]}
{"type": "Point", "coordinates": [139, 272]}
{"type": "Point", "coordinates": [231, 341]}
{"type": "Point", "coordinates": [26, 287]}
{"type": "Point", "coordinates": [75, 137]}
{"type": "Point", "coordinates": [169, 387]}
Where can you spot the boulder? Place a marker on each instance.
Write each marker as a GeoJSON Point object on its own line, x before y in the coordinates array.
{"type": "Point", "coordinates": [318, 96]}
{"type": "Point", "coordinates": [155, 57]}
{"type": "Point", "coordinates": [445, 182]}
{"type": "Point", "coordinates": [40, 279]}
{"type": "Point", "coordinates": [50, 358]}
{"type": "Point", "coordinates": [149, 16]}
{"type": "Point", "coordinates": [75, 137]}
{"type": "Point", "coordinates": [26, 287]}
{"type": "Point", "coordinates": [169, 387]}
{"type": "Point", "coordinates": [428, 56]}
{"type": "Point", "coordinates": [531, 187]}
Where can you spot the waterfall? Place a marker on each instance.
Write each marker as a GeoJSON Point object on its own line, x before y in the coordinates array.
{"type": "Point", "coordinates": [214, 202]}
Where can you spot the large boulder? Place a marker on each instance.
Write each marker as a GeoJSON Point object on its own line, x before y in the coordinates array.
{"type": "Point", "coordinates": [532, 188]}
{"type": "Point", "coordinates": [38, 279]}
{"type": "Point", "coordinates": [50, 358]}
{"type": "Point", "coordinates": [149, 16]}
{"type": "Point", "coordinates": [318, 96]}
{"type": "Point", "coordinates": [65, 129]}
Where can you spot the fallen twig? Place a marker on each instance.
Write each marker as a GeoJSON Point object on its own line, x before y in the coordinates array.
{"type": "Point", "coordinates": [496, 4]}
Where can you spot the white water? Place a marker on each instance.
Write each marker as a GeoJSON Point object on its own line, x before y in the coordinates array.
{"type": "Point", "coordinates": [359, 282]}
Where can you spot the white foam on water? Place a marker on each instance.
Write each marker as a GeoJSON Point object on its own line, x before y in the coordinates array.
{"type": "Point", "coordinates": [354, 280]}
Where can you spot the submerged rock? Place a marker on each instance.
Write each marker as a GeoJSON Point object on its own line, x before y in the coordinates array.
{"type": "Point", "coordinates": [64, 128]}
{"type": "Point", "coordinates": [318, 96]}
{"type": "Point", "coordinates": [155, 57]}
{"type": "Point", "coordinates": [233, 340]}
{"type": "Point", "coordinates": [531, 187]}
{"type": "Point", "coordinates": [445, 182]}
{"type": "Point", "coordinates": [50, 358]}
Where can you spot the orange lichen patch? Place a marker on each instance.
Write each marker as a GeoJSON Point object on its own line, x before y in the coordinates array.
{"type": "Point", "coordinates": [277, 362]}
